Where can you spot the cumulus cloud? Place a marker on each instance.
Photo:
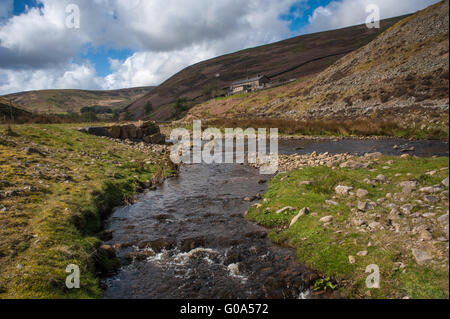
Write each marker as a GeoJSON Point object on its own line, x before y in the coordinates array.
{"type": "Point", "coordinates": [166, 36]}
{"type": "Point", "coordinates": [340, 14]}
{"type": "Point", "coordinates": [38, 51]}
{"type": "Point", "coordinates": [72, 76]}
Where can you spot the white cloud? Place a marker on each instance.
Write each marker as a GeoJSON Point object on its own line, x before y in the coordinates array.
{"type": "Point", "coordinates": [340, 14]}
{"type": "Point", "coordinates": [72, 76]}
{"type": "Point", "coordinates": [37, 50]}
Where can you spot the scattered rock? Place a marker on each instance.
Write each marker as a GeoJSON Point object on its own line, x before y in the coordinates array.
{"type": "Point", "coordinates": [351, 260]}
{"type": "Point", "coordinates": [425, 235]}
{"type": "Point", "coordinates": [443, 218]}
{"type": "Point", "coordinates": [304, 211]}
{"type": "Point", "coordinates": [445, 182]}
{"type": "Point", "coordinates": [326, 219]}
{"type": "Point", "coordinates": [431, 190]}
{"type": "Point", "coordinates": [331, 202]}
{"type": "Point", "coordinates": [343, 190]}
{"type": "Point", "coordinates": [352, 165]}
{"type": "Point", "coordinates": [422, 257]}
{"type": "Point", "coordinates": [363, 253]}
{"type": "Point", "coordinates": [374, 225]}
{"type": "Point", "coordinates": [409, 184]}
{"type": "Point", "coordinates": [361, 193]}
{"type": "Point", "coordinates": [364, 206]}
{"type": "Point", "coordinates": [394, 214]}
{"type": "Point", "coordinates": [381, 178]}
{"type": "Point", "coordinates": [432, 199]}
{"type": "Point", "coordinates": [285, 209]}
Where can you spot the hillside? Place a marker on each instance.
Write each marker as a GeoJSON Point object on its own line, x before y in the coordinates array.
{"type": "Point", "coordinates": [293, 58]}
{"type": "Point", "coordinates": [63, 101]}
{"type": "Point", "coordinates": [404, 71]}
{"type": "Point", "coordinates": [6, 109]}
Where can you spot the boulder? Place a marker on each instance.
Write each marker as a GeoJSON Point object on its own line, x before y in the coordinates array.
{"type": "Point", "coordinates": [343, 190]}
{"type": "Point", "coordinates": [97, 131]}
{"type": "Point", "coordinates": [149, 128]}
{"type": "Point", "coordinates": [157, 138]}
{"type": "Point", "coordinates": [114, 131]}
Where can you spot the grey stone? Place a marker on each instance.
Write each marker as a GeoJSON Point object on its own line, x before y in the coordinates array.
{"type": "Point", "coordinates": [343, 190]}
{"type": "Point", "coordinates": [422, 257]}
{"type": "Point", "coordinates": [361, 193]}
{"type": "Point", "coordinates": [326, 219]}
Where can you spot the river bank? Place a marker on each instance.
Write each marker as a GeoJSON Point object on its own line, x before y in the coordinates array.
{"type": "Point", "coordinates": [343, 212]}
{"type": "Point", "coordinates": [56, 187]}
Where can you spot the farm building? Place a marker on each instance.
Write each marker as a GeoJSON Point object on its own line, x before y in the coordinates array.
{"type": "Point", "coordinates": [249, 84]}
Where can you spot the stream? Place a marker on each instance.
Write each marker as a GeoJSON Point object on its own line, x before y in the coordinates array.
{"type": "Point", "coordinates": [197, 244]}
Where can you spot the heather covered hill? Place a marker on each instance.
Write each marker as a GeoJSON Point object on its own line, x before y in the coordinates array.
{"type": "Point", "coordinates": [403, 71]}
{"type": "Point", "coordinates": [293, 58]}
{"type": "Point", "coordinates": [63, 101]}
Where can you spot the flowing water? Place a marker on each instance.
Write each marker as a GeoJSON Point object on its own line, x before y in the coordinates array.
{"type": "Point", "coordinates": [197, 244]}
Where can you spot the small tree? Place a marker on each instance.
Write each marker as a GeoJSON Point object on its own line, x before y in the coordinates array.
{"type": "Point", "coordinates": [180, 105]}
{"type": "Point", "coordinates": [148, 108]}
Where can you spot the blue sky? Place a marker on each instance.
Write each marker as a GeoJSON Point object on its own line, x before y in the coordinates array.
{"type": "Point", "coordinates": [126, 43]}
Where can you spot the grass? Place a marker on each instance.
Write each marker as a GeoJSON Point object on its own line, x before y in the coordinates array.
{"type": "Point", "coordinates": [327, 249]}
{"type": "Point", "coordinates": [369, 127]}
{"type": "Point", "coordinates": [55, 219]}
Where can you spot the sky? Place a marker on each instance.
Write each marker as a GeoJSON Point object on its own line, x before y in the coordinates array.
{"type": "Point", "coordinates": [131, 43]}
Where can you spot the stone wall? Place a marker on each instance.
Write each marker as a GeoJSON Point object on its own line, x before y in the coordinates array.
{"type": "Point", "coordinates": [147, 132]}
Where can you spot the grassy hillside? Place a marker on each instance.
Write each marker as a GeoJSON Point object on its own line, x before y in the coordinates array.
{"type": "Point", "coordinates": [403, 71]}
{"type": "Point", "coordinates": [63, 101]}
{"type": "Point", "coordinates": [56, 185]}
{"type": "Point", "coordinates": [389, 218]}
{"type": "Point", "coordinates": [285, 60]}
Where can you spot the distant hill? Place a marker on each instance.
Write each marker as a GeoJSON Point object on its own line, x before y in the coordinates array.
{"type": "Point", "coordinates": [403, 75]}
{"type": "Point", "coordinates": [293, 58]}
{"type": "Point", "coordinates": [63, 101]}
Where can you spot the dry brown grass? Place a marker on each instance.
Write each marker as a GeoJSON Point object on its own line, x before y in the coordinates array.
{"type": "Point", "coordinates": [358, 127]}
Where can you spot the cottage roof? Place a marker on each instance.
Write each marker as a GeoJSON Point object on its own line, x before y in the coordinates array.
{"type": "Point", "coordinates": [257, 78]}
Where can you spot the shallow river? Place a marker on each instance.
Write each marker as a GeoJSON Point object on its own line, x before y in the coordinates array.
{"type": "Point", "coordinates": [204, 248]}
